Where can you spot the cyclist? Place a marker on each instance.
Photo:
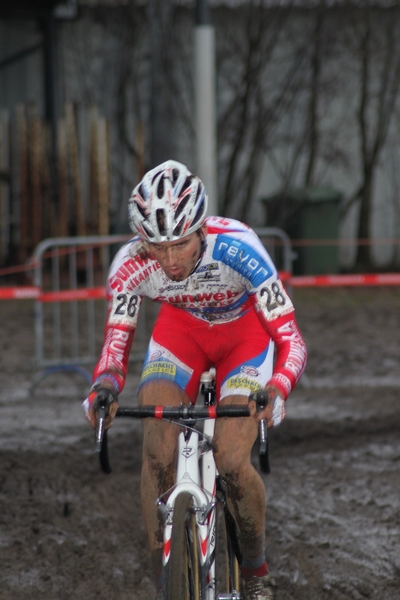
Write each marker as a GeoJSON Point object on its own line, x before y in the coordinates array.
{"type": "Point", "coordinates": [222, 305]}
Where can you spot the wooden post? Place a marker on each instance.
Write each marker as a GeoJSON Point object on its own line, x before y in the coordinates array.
{"type": "Point", "coordinates": [75, 170]}
{"type": "Point", "coordinates": [93, 170]}
{"type": "Point", "coordinates": [103, 173]}
{"type": "Point", "coordinates": [62, 151]}
{"type": "Point", "coordinates": [35, 152]}
{"type": "Point", "coordinates": [5, 183]}
{"type": "Point", "coordinates": [23, 183]}
{"type": "Point", "coordinates": [49, 225]}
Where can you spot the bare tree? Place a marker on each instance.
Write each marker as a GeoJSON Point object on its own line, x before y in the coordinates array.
{"type": "Point", "coordinates": [315, 92]}
{"type": "Point", "coordinates": [375, 39]}
{"type": "Point", "coordinates": [249, 105]}
{"type": "Point", "coordinates": [272, 85]}
{"type": "Point", "coordinates": [308, 144]}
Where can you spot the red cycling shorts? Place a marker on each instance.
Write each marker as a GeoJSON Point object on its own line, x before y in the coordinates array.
{"type": "Point", "coordinates": [182, 347]}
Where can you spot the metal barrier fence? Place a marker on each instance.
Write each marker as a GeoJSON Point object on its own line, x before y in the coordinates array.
{"type": "Point", "coordinates": [71, 274]}
{"type": "Point", "coordinates": [279, 246]}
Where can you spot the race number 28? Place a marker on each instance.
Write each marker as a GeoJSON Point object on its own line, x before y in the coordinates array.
{"type": "Point", "coordinates": [127, 305]}
{"type": "Point", "coordinates": [275, 296]}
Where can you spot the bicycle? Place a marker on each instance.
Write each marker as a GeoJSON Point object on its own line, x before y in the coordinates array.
{"type": "Point", "coordinates": [192, 508]}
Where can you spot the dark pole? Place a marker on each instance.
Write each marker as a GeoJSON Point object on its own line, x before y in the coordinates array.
{"type": "Point", "coordinates": [50, 67]}
{"type": "Point", "coordinates": [205, 103]}
{"type": "Point", "coordinates": [49, 26]}
{"type": "Point", "coordinates": [202, 13]}
{"type": "Point", "coordinates": [161, 141]}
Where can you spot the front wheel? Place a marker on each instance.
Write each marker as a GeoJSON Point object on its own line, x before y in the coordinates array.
{"type": "Point", "coordinates": [228, 555]}
{"type": "Point", "coordinates": [183, 573]}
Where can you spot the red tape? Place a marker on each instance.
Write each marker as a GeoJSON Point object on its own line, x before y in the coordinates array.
{"type": "Point", "coordinates": [7, 293]}
{"type": "Point", "coordinates": [344, 280]}
{"type": "Point", "coordinates": [68, 295]}
{"type": "Point", "coordinates": [98, 293]}
{"type": "Point", "coordinates": [212, 412]}
{"type": "Point", "coordinates": [158, 412]}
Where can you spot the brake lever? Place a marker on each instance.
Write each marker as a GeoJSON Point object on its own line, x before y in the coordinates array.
{"type": "Point", "coordinates": [261, 400]}
{"type": "Point", "coordinates": [101, 422]}
{"type": "Point", "coordinates": [102, 401]}
{"type": "Point", "coordinates": [263, 436]}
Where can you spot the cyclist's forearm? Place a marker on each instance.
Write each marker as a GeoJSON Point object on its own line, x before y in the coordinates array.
{"type": "Point", "coordinates": [112, 367]}
{"type": "Point", "coordinates": [291, 356]}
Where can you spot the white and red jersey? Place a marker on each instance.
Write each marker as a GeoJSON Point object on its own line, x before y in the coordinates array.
{"type": "Point", "coordinates": [234, 274]}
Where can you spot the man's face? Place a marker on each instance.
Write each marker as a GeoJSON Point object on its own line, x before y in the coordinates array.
{"type": "Point", "coordinates": [178, 258]}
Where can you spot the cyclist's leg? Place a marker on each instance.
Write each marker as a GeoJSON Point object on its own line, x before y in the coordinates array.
{"type": "Point", "coordinates": [158, 466]}
{"type": "Point", "coordinates": [234, 439]}
{"type": "Point", "coordinates": [246, 368]}
{"type": "Point", "coordinates": [170, 377]}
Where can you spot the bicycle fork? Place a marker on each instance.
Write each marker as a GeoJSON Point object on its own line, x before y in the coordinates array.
{"type": "Point", "coordinates": [202, 487]}
{"type": "Point", "coordinates": [188, 480]}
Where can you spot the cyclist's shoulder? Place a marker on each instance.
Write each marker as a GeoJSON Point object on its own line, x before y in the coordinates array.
{"type": "Point", "coordinates": [134, 250]}
{"type": "Point", "coordinates": [224, 225]}
{"type": "Point", "coordinates": [131, 263]}
{"type": "Point", "coordinates": [238, 247]}
{"type": "Point", "coordinates": [234, 239]}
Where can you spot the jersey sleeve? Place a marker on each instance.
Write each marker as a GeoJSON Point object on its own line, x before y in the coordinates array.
{"type": "Point", "coordinates": [119, 331]}
{"type": "Point", "coordinates": [275, 310]}
{"type": "Point", "coordinates": [291, 352]}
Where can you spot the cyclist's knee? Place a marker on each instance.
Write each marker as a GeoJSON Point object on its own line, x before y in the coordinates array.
{"type": "Point", "coordinates": [159, 469]}
{"type": "Point", "coordinates": [231, 461]}
{"type": "Point", "coordinates": [161, 392]}
{"type": "Point", "coordinates": [159, 440]}
{"type": "Point", "coordinates": [160, 437]}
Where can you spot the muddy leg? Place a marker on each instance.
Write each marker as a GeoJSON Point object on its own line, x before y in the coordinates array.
{"type": "Point", "coordinates": [159, 457]}
{"type": "Point", "coordinates": [234, 439]}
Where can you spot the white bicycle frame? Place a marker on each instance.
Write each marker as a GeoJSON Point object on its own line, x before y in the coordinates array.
{"type": "Point", "coordinates": [196, 474]}
{"type": "Point", "coordinates": [200, 482]}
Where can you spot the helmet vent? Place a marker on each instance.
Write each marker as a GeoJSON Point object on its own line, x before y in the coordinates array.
{"type": "Point", "coordinates": [161, 221]}
{"type": "Point", "coordinates": [200, 213]}
{"type": "Point", "coordinates": [148, 230]}
{"type": "Point", "coordinates": [181, 206]}
{"type": "Point", "coordinates": [141, 210]}
{"type": "Point", "coordinates": [199, 191]}
{"type": "Point", "coordinates": [160, 188]}
{"type": "Point", "coordinates": [178, 228]}
{"type": "Point", "coordinates": [175, 175]}
{"type": "Point", "coordinates": [155, 176]}
{"type": "Point", "coordinates": [187, 184]}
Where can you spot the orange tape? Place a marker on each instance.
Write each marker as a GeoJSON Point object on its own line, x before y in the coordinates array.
{"type": "Point", "coordinates": [10, 293]}
{"type": "Point", "coordinates": [68, 295]}
{"type": "Point", "coordinates": [345, 280]}
{"type": "Point", "coordinates": [99, 293]}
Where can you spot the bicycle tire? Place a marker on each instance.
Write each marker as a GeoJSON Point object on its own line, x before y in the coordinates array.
{"type": "Point", "coordinates": [104, 456]}
{"type": "Point", "coordinates": [183, 573]}
{"type": "Point", "coordinates": [228, 554]}
{"type": "Point", "coordinates": [234, 548]}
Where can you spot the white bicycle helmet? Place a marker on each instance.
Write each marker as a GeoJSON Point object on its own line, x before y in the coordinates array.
{"type": "Point", "coordinates": [168, 204]}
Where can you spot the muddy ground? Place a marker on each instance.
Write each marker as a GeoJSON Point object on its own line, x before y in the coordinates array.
{"type": "Point", "coordinates": [67, 531]}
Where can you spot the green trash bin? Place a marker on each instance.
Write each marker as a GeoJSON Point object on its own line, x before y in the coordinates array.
{"type": "Point", "coordinates": [306, 215]}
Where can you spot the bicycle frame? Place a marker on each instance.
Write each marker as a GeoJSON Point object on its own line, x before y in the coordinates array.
{"type": "Point", "coordinates": [196, 475]}
{"type": "Point", "coordinates": [200, 482]}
